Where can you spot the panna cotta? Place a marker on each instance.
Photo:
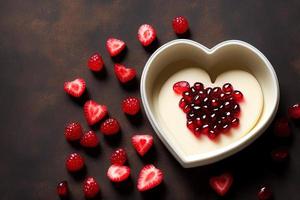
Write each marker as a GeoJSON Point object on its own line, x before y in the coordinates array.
{"type": "Point", "coordinates": [173, 120]}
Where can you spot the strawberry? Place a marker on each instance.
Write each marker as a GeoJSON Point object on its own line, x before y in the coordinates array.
{"type": "Point", "coordinates": [95, 62]}
{"type": "Point", "coordinates": [180, 24]}
{"type": "Point", "coordinates": [73, 131]}
{"type": "Point", "coordinates": [146, 34]}
{"type": "Point", "coordinates": [221, 184]}
{"type": "Point", "coordinates": [74, 162]}
{"type": "Point", "coordinates": [114, 46]}
{"type": "Point", "coordinates": [149, 178]}
{"type": "Point", "coordinates": [118, 173]}
{"type": "Point", "coordinates": [142, 143]}
{"type": "Point", "coordinates": [94, 112]}
{"type": "Point", "coordinates": [131, 105]}
{"type": "Point", "coordinates": [90, 187]}
{"type": "Point", "coordinates": [124, 74]}
{"type": "Point", "coordinates": [75, 88]}
{"type": "Point", "coordinates": [118, 157]}
{"type": "Point", "coordinates": [110, 127]}
{"type": "Point", "coordinates": [89, 140]}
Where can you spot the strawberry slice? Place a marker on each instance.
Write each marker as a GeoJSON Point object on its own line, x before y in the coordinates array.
{"type": "Point", "coordinates": [149, 178]}
{"type": "Point", "coordinates": [94, 112]}
{"type": "Point", "coordinates": [221, 184]}
{"type": "Point", "coordinates": [146, 34]}
{"type": "Point", "coordinates": [114, 46]}
{"type": "Point", "coordinates": [75, 88]}
{"type": "Point", "coordinates": [142, 143]}
{"type": "Point", "coordinates": [118, 173]}
{"type": "Point", "coordinates": [124, 74]}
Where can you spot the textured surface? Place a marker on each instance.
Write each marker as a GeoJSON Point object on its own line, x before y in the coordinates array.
{"type": "Point", "coordinates": [44, 43]}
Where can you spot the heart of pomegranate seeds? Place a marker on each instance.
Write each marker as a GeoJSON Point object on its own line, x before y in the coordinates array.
{"type": "Point", "coordinates": [209, 111]}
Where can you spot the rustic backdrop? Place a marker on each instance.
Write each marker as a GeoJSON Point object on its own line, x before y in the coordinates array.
{"type": "Point", "coordinates": [44, 43]}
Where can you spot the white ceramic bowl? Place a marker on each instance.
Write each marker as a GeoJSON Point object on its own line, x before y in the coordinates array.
{"type": "Point", "coordinates": [228, 53]}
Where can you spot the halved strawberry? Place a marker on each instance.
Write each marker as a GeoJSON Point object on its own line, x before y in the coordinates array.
{"type": "Point", "coordinates": [149, 178]}
{"type": "Point", "coordinates": [124, 74]}
{"type": "Point", "coordinates": [114, 46]}
{"type": "Point", "coordinates": [118, 173]}
{"type": "Point", "coordinates": [75, 88]}
{"type": "Point", "coordinates": [221, 184]}
{"type": "Point", "coordinates": [146, 34]}
{"type": "Point", "coordinates": [94, 112]}
{"type": "Point", "coordinates": [142, 143]}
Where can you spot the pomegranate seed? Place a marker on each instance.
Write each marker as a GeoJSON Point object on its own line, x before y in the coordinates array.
{"type": "Point", "coordinates": [237, 95]}
{"type": "Point", "coordinates": [181, 86]}
{"type": "Point", "coordinates": [180, 24]}
{"type": "Point", "coordinates": [227, 87]}
{"type": "Point", "coordinates": [62, 189]}
{"type": "Point", "coordinates": [294, 111]}
{"type": "Point", "coordinates": [198, 86]}
{"type": "Point", "coordinates": [282, 128]}
{"type": "Point", "coordinates": [279, 154]}
{"type": "Point", "coordinates": [264, 193]}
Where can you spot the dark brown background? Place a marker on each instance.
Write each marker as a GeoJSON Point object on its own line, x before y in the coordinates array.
{"type": "Point", "coordinates": [44, 43]}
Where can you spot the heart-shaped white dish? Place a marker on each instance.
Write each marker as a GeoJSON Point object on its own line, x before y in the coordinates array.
{"type": "Point", "coordinates": [179, 54]}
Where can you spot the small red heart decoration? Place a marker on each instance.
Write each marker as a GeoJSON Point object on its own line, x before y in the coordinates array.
{"type": "Point", "coordinates": [221, 184]}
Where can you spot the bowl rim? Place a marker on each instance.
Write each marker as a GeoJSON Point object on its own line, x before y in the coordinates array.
{"type": "Point", "coordinates": [214, 156]}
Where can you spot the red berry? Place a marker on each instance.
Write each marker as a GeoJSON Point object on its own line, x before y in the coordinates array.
{"type": "Point", "coordinates": [110, 127]}
{"type": "Point", "coordinates": [89, 140]}
{"type": "Point", "coordinates": [282, 128]}
{"type": "Point", "coordinates": [118, 157]}
{"type": "Point", "coordinates": [124, 74]}
{"type": "Point", "coordinates": [180, 24]}
{"type": "Point", "coordinates": [73, 131]}
{"type": "Point", "coordinates": [149, 178]}
{"type": "Point", "coordinates": [75, 88]}
{"type": "Point", "coordinates": [279, 154]}
{"type": "Point", "coordinates": [95, 62]}
{"type": "Point", "coordinates": [62, 189]}
{"type": "Point", "coordinates": [131, 105]}
{"type": "Point", "coordinates": [114, 46]}
{"type": "Point", "coordinates": [90, 187]}
{"type": "Point", "coordinates": [118, 173]}
{"type": "Point", "coordinates": [74, 162]}
{"type": "Point", "coordinates": [181, 86]}
{"type": "Point", "coordinates": [94, 112]}
{"type": "Point", "coordinates": [142, 143]}
{"type": "Point", "coordinates": [264, 193]}
{"type": "Point", "coordinates": [146, 34]}
{"type": "Point", "coordinates": [294, 111]}
{"type": "Point", "coordinates": [221, 184]}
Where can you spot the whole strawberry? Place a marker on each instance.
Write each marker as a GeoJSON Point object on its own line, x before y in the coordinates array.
{"type": "Point", "coordinates": [180, 25]}
{"type": "Point", "coordinates": [110, 127]}
{"type": "Point", "coordinates": [131, 105]}
{"type": "Point", "coordinates": [73, 131]}
{"type": "Point", "coordinates": [89, 140]}
{"type": "Point", "coordinates": [90, 187]}
{"type": "Point", "coordinates": [74, 162]}
{"type": "Point", "coordinates": [95, 62]}
{"type": "Point", "coordinates": [118, 157]}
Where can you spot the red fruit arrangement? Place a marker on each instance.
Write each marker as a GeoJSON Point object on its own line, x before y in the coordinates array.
{"type": "Point", "coordinates": [209, 111]}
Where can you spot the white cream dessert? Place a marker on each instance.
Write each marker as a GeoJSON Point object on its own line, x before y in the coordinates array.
{"type": "Point", "coordinates": [173, 120]}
